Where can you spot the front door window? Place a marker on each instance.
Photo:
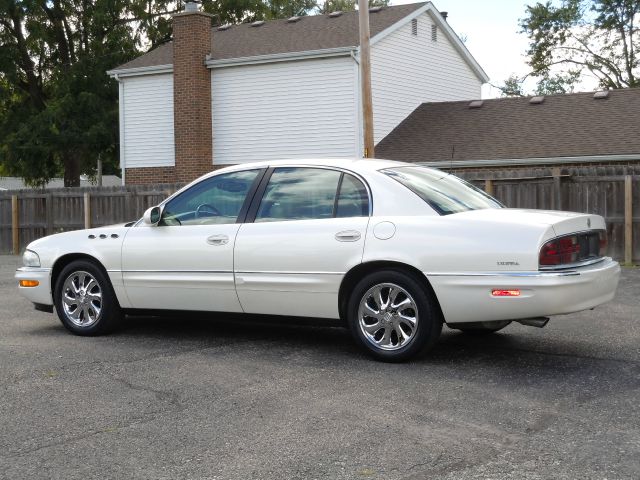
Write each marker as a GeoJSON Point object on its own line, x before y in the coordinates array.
{"type": "Point", "coordinates": [216, 200]}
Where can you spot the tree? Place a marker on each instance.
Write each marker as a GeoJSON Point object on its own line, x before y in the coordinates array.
{"type": "Point", "coordinates": [512, 87]}
{"type": "Point", "coordinates": [58, 108]}
{"type": "Point", "coordinates": [558, 84]}
{"type": "Point", "coordinates": [599, 38]}
{"type": "Point", "coordinates": [289, 8]}
{"type": "Point", "coordinates": [349, 5]}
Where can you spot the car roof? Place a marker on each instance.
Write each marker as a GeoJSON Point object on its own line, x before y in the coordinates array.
{"type": "Point", "coordinates": [357, 165]}
{"type": "Point", "coordinates": [353, 163]}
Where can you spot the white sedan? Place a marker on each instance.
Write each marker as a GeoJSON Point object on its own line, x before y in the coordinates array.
{"type": "Point", "coordinates": [393, 249]}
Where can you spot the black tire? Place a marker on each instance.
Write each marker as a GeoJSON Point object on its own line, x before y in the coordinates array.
{"type": "Point", "coordinates": [428, 324]}
{"type": "Point", "coordinates": [94, 317]}
{"type": "Point", "coordinates": [481, 328]}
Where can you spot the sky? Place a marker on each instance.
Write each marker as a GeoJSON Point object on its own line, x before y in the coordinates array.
{"type": "Point", "coordinates": [491, 31]}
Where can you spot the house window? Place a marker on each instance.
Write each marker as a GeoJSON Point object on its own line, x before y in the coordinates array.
{"type": "Point", "coordinates": [434, 33]}
{"type": "Point", "coordinates": [414, 26]}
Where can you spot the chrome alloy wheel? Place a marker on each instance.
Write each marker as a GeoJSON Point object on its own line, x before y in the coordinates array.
{"type": "Point", "coordinates": [82, 299]}
{"type": "Point", "coordinates": [388, 316]}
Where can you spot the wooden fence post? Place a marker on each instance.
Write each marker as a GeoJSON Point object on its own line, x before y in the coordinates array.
{"type": "Point", "coordinates": [87, 210]}
{"type": "Point", "coordinates": [557, 190]}
{"type": "Point", "coordinates": [488, 186]}
{"type": "Point", "coordinates": [15, 233]}
{"type": "Point", "coordinates": [628, 220]}
{"type": "Point", "coordinates": [48, 208]}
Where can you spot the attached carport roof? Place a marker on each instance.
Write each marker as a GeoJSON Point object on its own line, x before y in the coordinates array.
{"type": "Point", "coordinates": [573, 125]}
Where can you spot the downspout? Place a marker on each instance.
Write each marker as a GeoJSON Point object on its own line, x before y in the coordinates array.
{"type": "Point", "coordinates": [357, 107]}
{"type": "Point", "coordinates": [121, 124]}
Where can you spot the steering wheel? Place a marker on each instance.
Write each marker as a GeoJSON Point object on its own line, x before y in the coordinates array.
{"type": "Point", "coordinates": [206, 208]}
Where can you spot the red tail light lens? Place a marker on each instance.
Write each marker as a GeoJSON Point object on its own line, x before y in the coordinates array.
{"type": "Point", "coordinates": [505, 293]}
{"type": "Point", "coordinates": [560, 251]}
{"type": "Point", "coordinates": [570, 249]}
{"type": "Point", "coordinates": [603, 243]}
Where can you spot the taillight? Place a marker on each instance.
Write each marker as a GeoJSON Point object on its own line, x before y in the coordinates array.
{"type": "Point", "coordinates": [603, 243]}
{"type": "Point", "coordinates": [577, 248]}
{"type": "Point", "coordinates": [560, 251]}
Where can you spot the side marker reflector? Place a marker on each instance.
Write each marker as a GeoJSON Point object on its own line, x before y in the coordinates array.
{"type": "Point", "coordinates": [505, 293]}
{"type": "Point", "coordinates": [29, 283]}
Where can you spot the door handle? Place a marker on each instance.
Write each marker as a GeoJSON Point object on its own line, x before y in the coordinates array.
{"type": "Point", "coordinates": [218, 240]}
{"type": "Point", "coordinates": [348, 236]}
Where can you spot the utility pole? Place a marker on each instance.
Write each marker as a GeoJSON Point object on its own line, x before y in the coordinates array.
{"type": "Point", "coordinates": [365, 78]}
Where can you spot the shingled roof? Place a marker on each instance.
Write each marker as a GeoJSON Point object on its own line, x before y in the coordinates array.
{"type": "Point", "coordinates": [317, 32]}
{"type": "Point", "coordinates": [572, 125]}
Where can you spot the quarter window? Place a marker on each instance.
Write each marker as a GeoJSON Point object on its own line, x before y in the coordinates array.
{"type": "Point", "coordinates": [295, 193]}
{"type": "Point", "coordinates": [445, 193]}
{"type": "Point", "coordinates": [216, 200]}
{"type": "Point", "coordinates": [353, 200]}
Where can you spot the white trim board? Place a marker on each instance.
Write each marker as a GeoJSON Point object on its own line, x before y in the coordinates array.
{"type": "Point", "coordinates": [280, 57]}
{"type": "Point", "coordinates": [509, 162]}
{"type": "Point", "coordinates": [151, 70]}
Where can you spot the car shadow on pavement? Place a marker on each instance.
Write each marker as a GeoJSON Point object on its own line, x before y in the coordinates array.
{"type": "Point", "coordinates": [328, 338]}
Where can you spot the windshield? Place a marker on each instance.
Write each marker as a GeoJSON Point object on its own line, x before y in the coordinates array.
{"type": "Point", "coordinates": [444, 192]}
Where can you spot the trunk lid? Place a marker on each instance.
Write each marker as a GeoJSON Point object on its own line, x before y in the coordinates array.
{"type": "Point", "coordinates": [560, 223]}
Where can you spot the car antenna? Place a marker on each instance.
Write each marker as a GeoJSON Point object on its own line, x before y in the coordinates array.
{"type": "Point", "coordinates": [453, 152]}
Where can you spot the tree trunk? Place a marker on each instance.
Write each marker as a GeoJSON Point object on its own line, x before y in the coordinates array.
{"type": "Point", "coordinates": [71, 170]}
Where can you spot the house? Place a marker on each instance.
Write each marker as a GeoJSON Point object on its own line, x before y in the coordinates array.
{"type": "Point", "coordinates": [581, 129]}
{"type": "Point", "coordinates": [280, 89]}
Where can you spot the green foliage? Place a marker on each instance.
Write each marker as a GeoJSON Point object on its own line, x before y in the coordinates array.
{"type": "Point", "coordinates": [349, 5]}
{"type": "Point", "coordinates": [558, 84]}
{"type": "Point", "coordinates": [547, 85]}
{"type": "Point", "coordinates": [512, 87]}
{"type": "Point", "coordinates": [58, 108]}
{"type": "Point", "coordinates": [289, 8]}
{"type": "Point", "coordinates": [598, 38]}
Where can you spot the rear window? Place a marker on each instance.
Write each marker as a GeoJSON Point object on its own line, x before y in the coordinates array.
{"type": "Point", "coordinates": [444, 192]}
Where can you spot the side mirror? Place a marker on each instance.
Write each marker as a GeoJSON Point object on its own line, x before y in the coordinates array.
{"type": "Point", "coordinates": [152, 216]}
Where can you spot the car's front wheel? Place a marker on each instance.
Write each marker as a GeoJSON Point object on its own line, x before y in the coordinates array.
{"type": "Point", "coordinates": [85, 301]}
{"type": "Point", "coordinates": [393, 316]}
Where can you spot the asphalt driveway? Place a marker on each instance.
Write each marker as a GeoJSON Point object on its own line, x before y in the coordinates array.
{"type": "Point", "coordinates": [221, 398]}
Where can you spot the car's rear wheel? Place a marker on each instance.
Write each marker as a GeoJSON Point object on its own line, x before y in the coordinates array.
{"type": "Point", "coordinates": [480, 328]}
{"type": "Point", "coordinates": [85, 301]}
{"type": "Point", "coordinates": [393, 316]}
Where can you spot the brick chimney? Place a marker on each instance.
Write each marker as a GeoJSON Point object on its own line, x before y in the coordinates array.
{"type": "Point", "coordinates": [192, 93]}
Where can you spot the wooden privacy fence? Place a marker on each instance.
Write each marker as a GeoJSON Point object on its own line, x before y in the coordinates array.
{"type": "Point", "coordinates": [615, 197]}
{"type": "Point", "coordinates": [26, 214]}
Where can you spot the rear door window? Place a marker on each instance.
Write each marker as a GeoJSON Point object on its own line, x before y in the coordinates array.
{"type": "Point", "coordinates": [303, 193]}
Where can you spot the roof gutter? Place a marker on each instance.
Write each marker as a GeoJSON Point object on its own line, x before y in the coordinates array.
{"type": "Point", "coordinates": [445, 165]}
{"type": "Point", "coordinates": [130, 72]}
{"type": "Point", "coordinates": [280, 57]}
